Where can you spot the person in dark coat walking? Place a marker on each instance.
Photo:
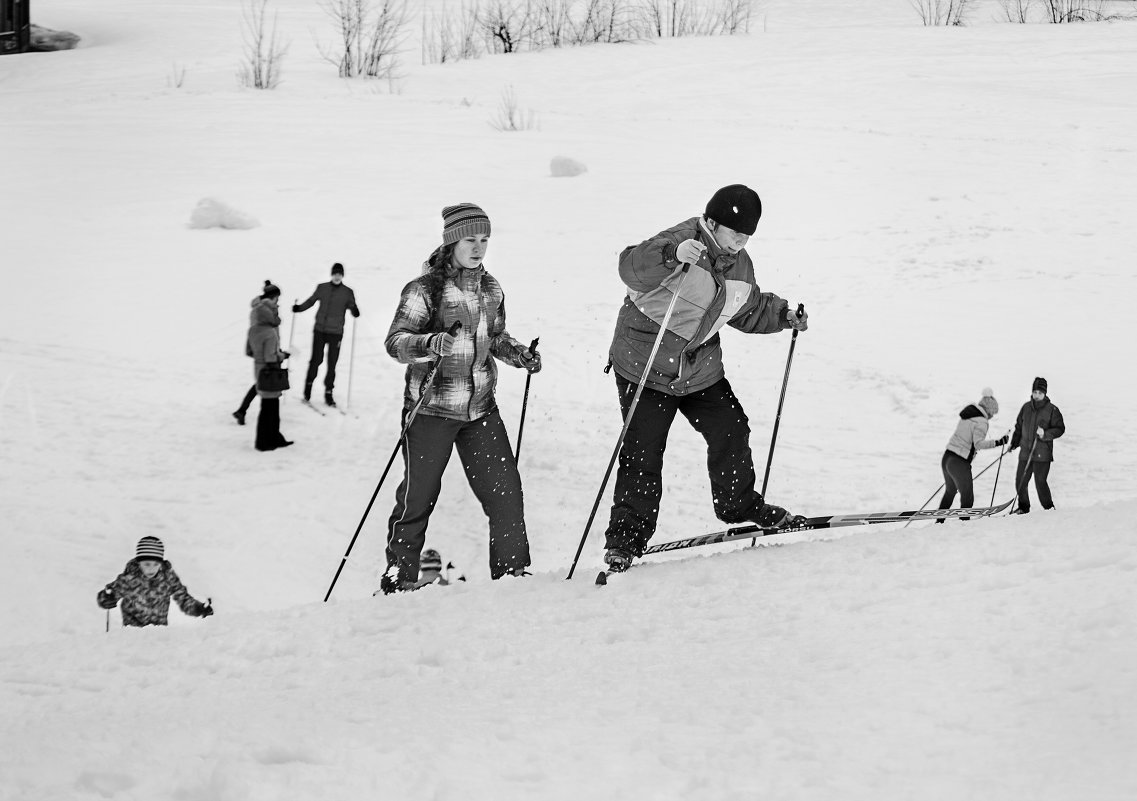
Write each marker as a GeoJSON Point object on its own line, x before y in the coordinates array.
{"type": "Point", "coordinates": [460, 411]}
{"type": "Point", "coordinates": [970, 435]}
{"type": "Point", "coordinates": [263, 346]}
{"type": "Point", "coordinates": [145, 588]}
{"type": "Point", "coordinates": [1039, 423]}
{"type": "Point", "coordinates": [687, 374]}
{"type": "Point", "coordinates": [336, 299]}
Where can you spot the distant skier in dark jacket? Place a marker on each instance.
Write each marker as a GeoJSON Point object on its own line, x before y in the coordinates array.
{"type": "Point", "coordinates": [1039, 423]}
{"type": "Point", "coordinates": [336, 299]}
{"type": "Point", "coordinates": [145, 588]}
{"type": "Point", "coordinates": [970, 436]}
{"type": "Point", "coordinates": [460, 411]}
{"type": "Point", "coordinates": [687, 374]}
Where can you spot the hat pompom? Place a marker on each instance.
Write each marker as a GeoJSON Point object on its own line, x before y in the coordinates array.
{"type": "Point", "coordinates": [988, 404]}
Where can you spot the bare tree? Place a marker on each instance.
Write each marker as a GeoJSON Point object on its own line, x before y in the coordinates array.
{"type": "Point", "coordinates": [942, 12]}
{"type": "Point", "coordinates": [605, 21]}
{"type": "Point", "coordinates": [263, 51]}
{"type": "Point", "coordinates": [370, 36]}
{"type": "Point", "coordinates": [510, 117]}
{"type": "Point", "coordinates": [445, 38]}
{"type": "Point", "coordinates": [1060, 11]}
{"type": "Point", "coordinates": [508, 26]}
{"type": "Point", "coordinates": [1017, 10]}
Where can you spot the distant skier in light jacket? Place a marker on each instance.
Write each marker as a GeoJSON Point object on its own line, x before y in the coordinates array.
{"type": "Point", "coordinates": [336, 299]}
{"type": "Point", "coordinates": [145, 588]}
{"type": "Point", "coordinates": [687, 374]}
{"type": "Point", "coordinates": [1039, 423]}
{"type": "Point", "coordinates": [460, 411]}
{"type": "Point", "coordinates": [970, 436]}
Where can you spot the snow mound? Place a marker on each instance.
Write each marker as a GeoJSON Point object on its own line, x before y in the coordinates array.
{"type": "Point", "coordinates": [212, 213]}
{"type": "Point", "coordinates": [564, 167]}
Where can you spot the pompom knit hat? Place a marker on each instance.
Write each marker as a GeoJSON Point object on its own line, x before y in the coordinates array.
{"type": "Point", "coordinates": [271, 290]}
{"type": "Point", "coordinates": [150, 548]}
{"type": "Point", "coordinates": [1040, 384]}
{"type": "Point", "coordinates": [737, 207]}
{"type": "Point", "coordinates": [988, 404]}
{"type": "Point", "coordinates": [430, 560]}
{"type": "Point", "coordinates": [463, 220]}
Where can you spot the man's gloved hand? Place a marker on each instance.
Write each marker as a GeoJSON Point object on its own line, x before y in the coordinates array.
{"type": "Point", "coordinates": [530, 360]}
{"type": "Point", "coordinates": [442, 343]}
{"type": "Point", "coordinates": [1040, 432]}
{"type": "Point", "coordinates": [295, 308]}
{"type": "Point", "coordinates": [689, 251]}
{"type": "Point", "coordinates": [798, 323]}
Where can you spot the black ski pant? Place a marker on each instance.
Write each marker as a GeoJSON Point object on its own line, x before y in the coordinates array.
{"type": "Point", "coordinates": [1040, 471]}
{"type": "Point", "coordinates": [957, 478]}
{"type": "Point", "coordinates": [715, 413]}
{"type": "Point", "coordinates": [319, 340]}
{"type": "Point", "coordinates": [487, 458]}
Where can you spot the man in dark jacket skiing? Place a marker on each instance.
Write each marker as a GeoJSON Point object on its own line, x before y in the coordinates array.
{"type": "Point", "coordinates": [335, 298]}
{"type": "Point", "coordinates": [1039, 423]}
{"type": "Point", "coordinates": [686, 374]}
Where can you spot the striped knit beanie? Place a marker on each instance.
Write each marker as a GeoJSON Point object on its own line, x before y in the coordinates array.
{"type": "Point", "coordinates": [430, 560]}
{"type": "Point", "coordinates": [463, 220]}
{"type": "Point", "coordinates": [150, 548]}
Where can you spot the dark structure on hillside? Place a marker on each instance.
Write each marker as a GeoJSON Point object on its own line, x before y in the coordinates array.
{"type": "Point", "coordinates": [15, 26]}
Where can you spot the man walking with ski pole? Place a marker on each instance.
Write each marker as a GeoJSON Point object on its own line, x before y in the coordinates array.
{"type": "Point", "coordinates": [686, 375]}
{"type": "Point", "coordinates": [335, 298]}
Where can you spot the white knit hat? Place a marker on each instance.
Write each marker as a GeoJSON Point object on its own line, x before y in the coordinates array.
{"type": "Point", "coordinates": [988, 404]}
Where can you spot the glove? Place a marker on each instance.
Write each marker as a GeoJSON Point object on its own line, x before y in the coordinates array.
{"type": "Point", "coordinates": [107, 598]}
{"type": "Point", "coordinates": [295, 308]}
{"type": "Point", "coordinates": [284, 355]}
{"type": "Point", "coordinates": [442, 344]}
{"type": "Point", "coordinates": [689, 251]}
{"type": "Point", "coordinates": [206, 609]}
{"type": "Point", "coordinates": [530, 360]}
{"type": "Point", "coordinates": [355, 312]}
{"type": "Point", "coordinates": [1001, 441]}
{"type": "Point", "coordinates": [1013, 446]}
{"type": "Point", "coordinates": [798, 324]}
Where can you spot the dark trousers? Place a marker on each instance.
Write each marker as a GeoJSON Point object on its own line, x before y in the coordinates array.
{"type": "Point", "coordinates": [269, 437]}
{"type": "Point", "coordinates": [483, 446]}
{"type": "Point", "coordinates": [247, 401]}
{"type": "Point", "coordinates": [715, 413]}
{"type": "Point", "coordinates": [319, 340]}
{"type": "Point", "coordinates": [957, 478]}
{"type": "Point", "coordinates": [1040, 471]}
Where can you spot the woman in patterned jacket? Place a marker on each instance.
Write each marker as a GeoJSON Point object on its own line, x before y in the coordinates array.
{"type": "Point", "coordinates": [460, 410]}
{"type": "Point", "coordinates": [145, 587]}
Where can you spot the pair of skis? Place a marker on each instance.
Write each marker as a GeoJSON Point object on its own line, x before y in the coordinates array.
{"type": "Point", "coordinates": [814, 523]}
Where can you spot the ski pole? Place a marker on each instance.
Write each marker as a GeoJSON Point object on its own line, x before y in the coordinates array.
{"type": "Point", "coordinates": [292, 327]}
{"type": "Point", "coordinates": [998, 470]}
{"type": "Point", "coordinates": [778, 418]}
{"type": "Point", "coordinates": [631, 411]}
{"type": "Point", "coordinates": [426, 384]}
{"type": "Point", "coordinates": [351, 361]}
{"type": "Point", "coordinates": [941, 486]}
{"type": "Point", "coordinates": [108, 621]}
{"type": "Point", "coordinates": [525, 402]}
{"type": "Point", "coordinates": [1020, 485]}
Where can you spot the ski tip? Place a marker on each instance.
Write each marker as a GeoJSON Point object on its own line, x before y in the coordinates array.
{"type": "Point", "coordinates": [602, 578]}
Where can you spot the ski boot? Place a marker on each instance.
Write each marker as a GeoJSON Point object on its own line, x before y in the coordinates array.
{"type": "Point", "coordinates": [328, 399]}
{"type": "Point", "coordinates": [770, 516]}
{"type": "Point", "coordinates": [618, 560]}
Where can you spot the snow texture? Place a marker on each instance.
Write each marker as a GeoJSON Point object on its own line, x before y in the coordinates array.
{"type": "Point", "coordinates": [955, 208]}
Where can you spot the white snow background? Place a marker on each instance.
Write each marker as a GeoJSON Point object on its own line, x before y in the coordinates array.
{"type": "Point", "coordinates": [955, 207]}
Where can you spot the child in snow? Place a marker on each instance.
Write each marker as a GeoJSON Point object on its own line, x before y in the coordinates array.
{"type": "Point", "coordinates": [430, 567]}
{"type": "Point", "coordinates": [970, 435]}
{"type": "Point", "coordinates": [1039, 422]}
{"type": "Point", "coordinates": [460, 410]}
{"type": "Point", "coordinates": [687, 375]}
{"type": "Point", "coordinates": [145, 587]}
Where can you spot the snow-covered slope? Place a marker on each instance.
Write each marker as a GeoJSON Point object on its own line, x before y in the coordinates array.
{"type": "Point", "coordinates": [955, 208]}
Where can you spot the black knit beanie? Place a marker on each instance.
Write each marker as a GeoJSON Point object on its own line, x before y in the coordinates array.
{"type": "Point", "coordinates": [1039, 383]}
{"type": "Point", "coordinates": [737, 207]}
{"type": "Point", "coordinates": [271, 290]}
{"type": "Point", "coordinates": [337, 268]}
